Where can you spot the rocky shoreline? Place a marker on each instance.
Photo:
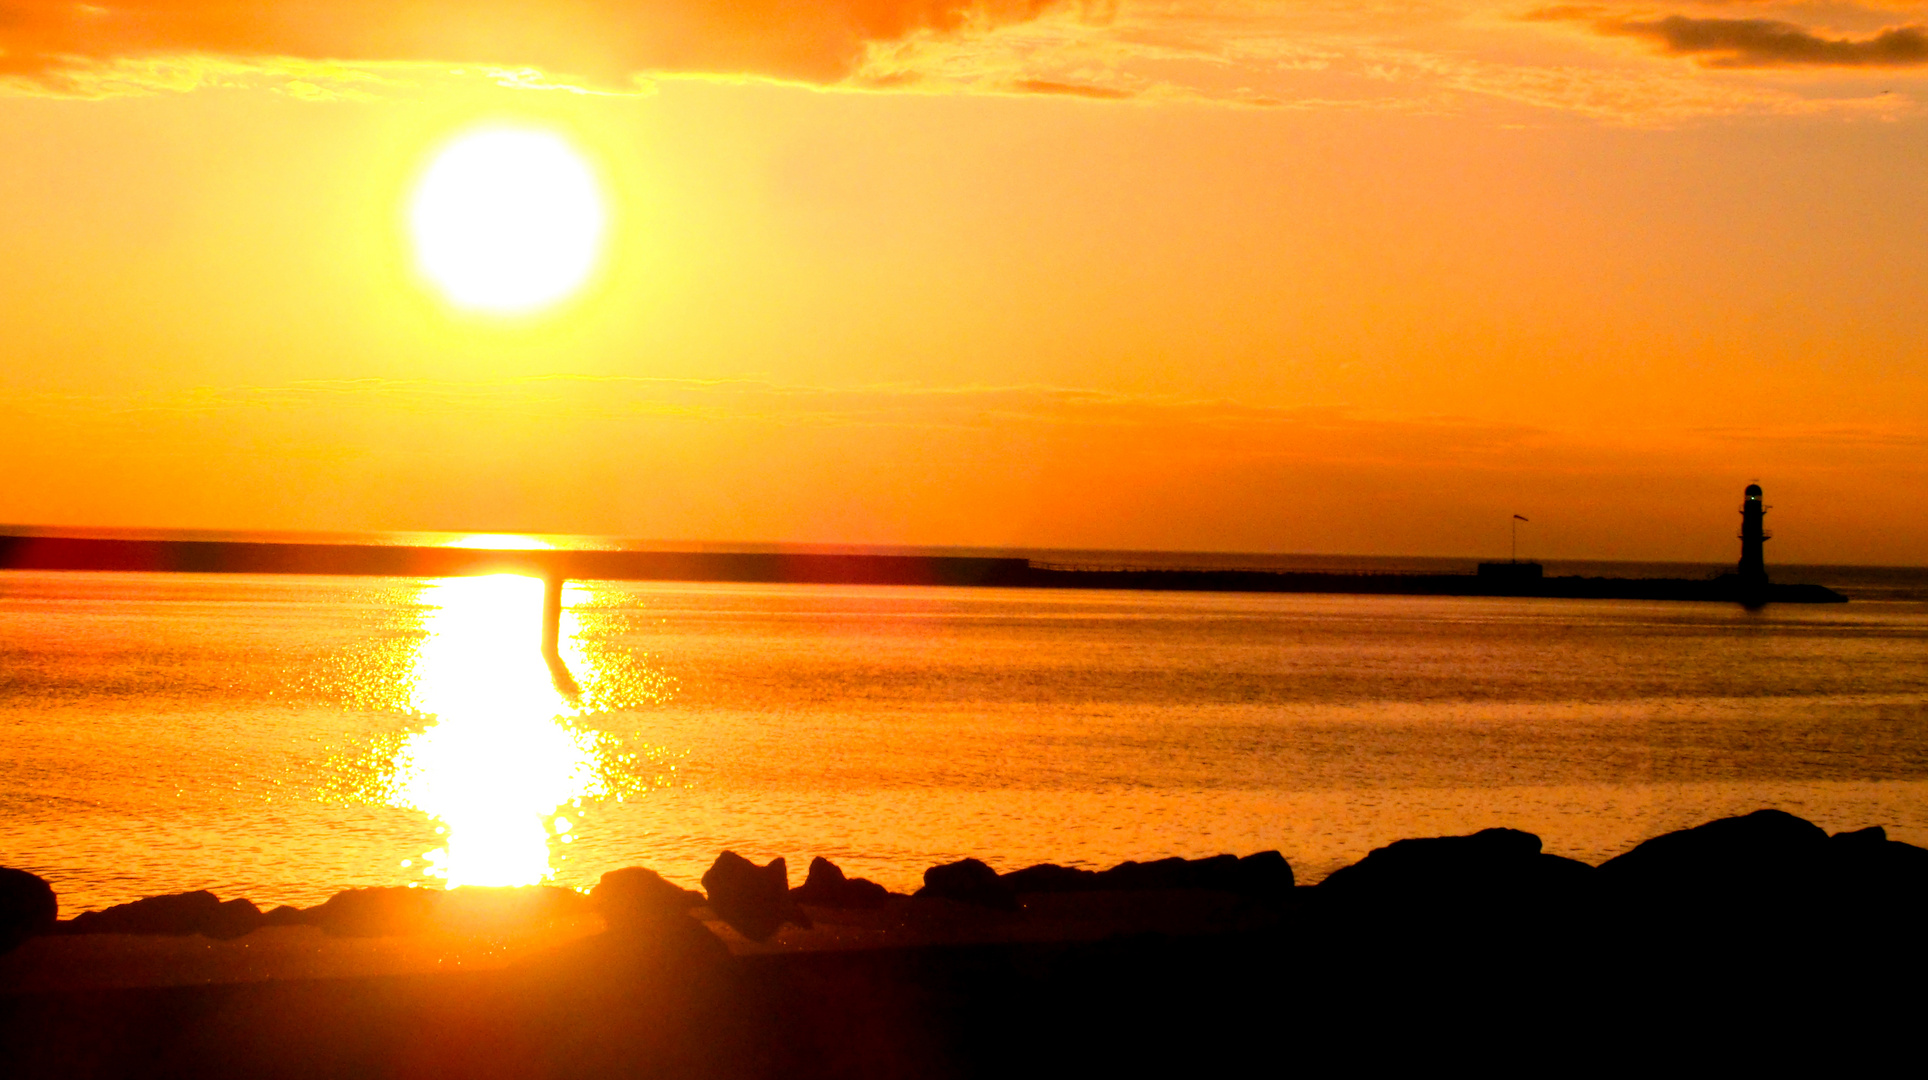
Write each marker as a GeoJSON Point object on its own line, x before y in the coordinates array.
{"type": "Point", "coordinates": [1738, 919]}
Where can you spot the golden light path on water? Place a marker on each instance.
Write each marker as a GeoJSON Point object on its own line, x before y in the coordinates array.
{"type": "Point", "coordinates": [499, 762]}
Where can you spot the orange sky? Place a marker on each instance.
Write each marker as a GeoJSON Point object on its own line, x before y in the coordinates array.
{"type": "Point", "coordinates": [1204, 274]}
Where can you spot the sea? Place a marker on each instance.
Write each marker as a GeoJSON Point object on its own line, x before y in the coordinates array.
{"type": "Point", "coordinates": [283, 738]}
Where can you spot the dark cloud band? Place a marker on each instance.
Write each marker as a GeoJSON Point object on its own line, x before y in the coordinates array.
{"type": "Point", "coordinates": [606, 41]}
{"type": "Point", "coordinates": [1755, 43]}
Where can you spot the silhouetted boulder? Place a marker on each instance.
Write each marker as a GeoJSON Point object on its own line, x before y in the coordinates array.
{"type": "Point", "coordinates": [636, 898]}
{"type": "Point", "coordinates": [971, 882]}
{"type": "Point", "coordinates": [1491, 867]}
{"type": "Point", "coordinates": [1215, 872]}
{"type": "Point", "coordinates": [1265, 875]}
{"type": "Point", "coordinates": [198, 912]}
{"type": "Point", "coordinates": [1050, 878]}
{"type": "Point", "coordinates": [640, 906]}
{"type": "Point", "coordinates": [1873, 835]}
{"type": "Point", "coordinates": [826, 886]}
{"type": "Point", "coordinates": [286, 915]}
{"type": "Point", "coordinates": [234, 918]}
{"type": "Point", "coordinates": [1865, 866]}
{"type": "Point", "coordinates": [754, 900]}
{"type": "Point", "coordinates": [1761, 857]}
{"type": "Point", "coordinates": [27, 907]}
{"type": "Point", "coordinates": [375, 912]}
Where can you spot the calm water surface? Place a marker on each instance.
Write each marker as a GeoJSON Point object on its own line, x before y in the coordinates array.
{"type": "Point", "coordinates": [282, 738]}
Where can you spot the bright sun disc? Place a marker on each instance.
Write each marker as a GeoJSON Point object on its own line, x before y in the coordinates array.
{"type": "Point", "coordinates": [507, 220]}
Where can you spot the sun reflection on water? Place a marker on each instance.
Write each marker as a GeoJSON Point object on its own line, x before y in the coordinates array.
{"type": "Point", "coordinates": [479, 739]}
{"type": "Point", "coordinates": [501, 760]}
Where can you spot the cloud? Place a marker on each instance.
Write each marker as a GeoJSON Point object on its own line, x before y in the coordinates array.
{"type": "Point", "coordinates": [1048, 86]}
{"type": "Point", "coordinates": [609, 42]}
{"type": "Point", "coordinates": [1417, 56]}
{"type": "Point", "coordinates": [1431, 57]}
{"type": "Point", "coordinates": [1759, 43]}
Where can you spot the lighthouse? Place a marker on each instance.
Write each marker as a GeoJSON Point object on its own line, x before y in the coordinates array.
{"type": "Point", "coordinates": [1753, 569]}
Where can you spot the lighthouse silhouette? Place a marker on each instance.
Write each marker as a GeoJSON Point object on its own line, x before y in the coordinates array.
{"type": "Point", "coordinates": [1753, 568]}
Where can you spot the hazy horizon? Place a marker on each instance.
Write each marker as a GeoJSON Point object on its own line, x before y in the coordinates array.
{"type": "Point", "coordinates": [431, 537]}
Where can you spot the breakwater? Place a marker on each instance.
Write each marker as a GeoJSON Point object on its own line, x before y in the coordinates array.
{"type": "Point", "coordinates": [387, 560]}
{"type": "Point", "coordinates": [1741, 937]}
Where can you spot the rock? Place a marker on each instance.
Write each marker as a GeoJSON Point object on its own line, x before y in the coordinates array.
{"type": "Point", "coordinates": [826, 886]}
{"type": "Point", "coordinates": [1754, 859]}
{"type": "Point", "coordinates": [374, 912]}
{"type": "Point", "coordinates": [1867, 868]}
{"type": "Point", "coordinates": [754, 900]}
{"type": "Point", "coordinates": [27, 907]}
{"type": "Point", "coordinates": [198, 912]}
{"type": "Point", "coordinates": [1873, 834]}
{"type": "Point", "coordinates": [233, 919]}
{"type": "Point", "coordinates": [1172, 873]}
{"type": "Point", "coordinates": [1266, 875]}
{"type": "Point", "coordinates": [1492, 865]}
{"type": "Point", "coordinates": [636, 898]}
{"type": "Point", "coordinates": [286, 915]}
{"type": "Point", "coordinates": [971, 882]}
{"type": "Point", "coordinates": [1050, 878]}
{"type": "Point", "coordinates": [643, 909]}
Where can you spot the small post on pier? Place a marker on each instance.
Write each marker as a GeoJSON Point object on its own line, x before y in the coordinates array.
{"type": "Point", "coordinates": [552, 636]}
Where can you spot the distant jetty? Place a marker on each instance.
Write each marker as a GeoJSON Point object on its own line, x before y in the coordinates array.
{"type": "Point", "coordinates": [1748, 585]}
{"type": "Point", "coordinates": [233, 557]}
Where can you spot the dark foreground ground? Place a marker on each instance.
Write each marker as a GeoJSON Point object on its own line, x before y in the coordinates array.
{"type": "Point", "coordinates": [1470, 953]}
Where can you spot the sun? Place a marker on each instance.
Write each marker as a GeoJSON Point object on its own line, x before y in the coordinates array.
{"type": "Point", "coordinates": [507, 220]}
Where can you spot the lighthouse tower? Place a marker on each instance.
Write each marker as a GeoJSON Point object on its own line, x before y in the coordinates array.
{"type": "Point", "coordinates": [1753, 537]}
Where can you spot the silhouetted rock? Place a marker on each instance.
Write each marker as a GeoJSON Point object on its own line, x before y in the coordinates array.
{"type": "Point", "coordinates": [1751, 860]}
{"type": "Point", "coordinates": [640, 906]}
{"type": "Point", "coordinates": [1050, 878]}
{"type": "Point", "coordinates": [1265, 874]}
{"type": "Point", "coordinates": [1872, 835]}
{"type": "Point", "coordinates": [375, 912]}
{"type": "Point", "coordinates": [27, 907]}
{"type": "Point", "coordinates": [198, 912]}
{"type": "Point", "coordinates": [1865, 866]}
{"type": "Point", "coordinates": [234, 918]}
{"type": "Point", "coordinates": [286, 915]}
{"type": "Point", "coordinates": [754, 900]}
{"type": "Point", "coordinates": [1490, 866]}
{"type": "Point", "coordinates": [1215, 872]}
{"type": "Point", "coordinates": [635, 897]}
{"type": "Point", "coordinates": [969, 881]}
{"type": "Point", "coordinates": [826, 886]}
